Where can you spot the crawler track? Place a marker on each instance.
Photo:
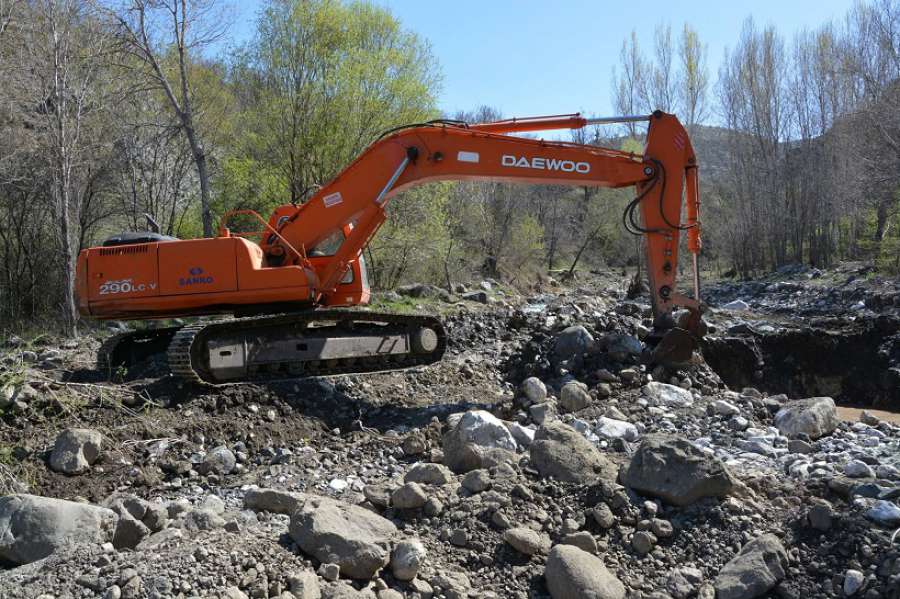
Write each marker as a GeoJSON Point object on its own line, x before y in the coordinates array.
{"type": "Point", "coordinates": [188, 348]}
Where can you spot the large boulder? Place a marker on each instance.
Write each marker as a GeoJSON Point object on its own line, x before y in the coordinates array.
{"type": "Point", "coordinates": [33, 527]}
{"type": "Point", "coordinates": [75, 450]}
{"type": "Point", "coordinates": [753, 572]}
{"type": "Point", "coordinates": [574, 396]}
{"type": "Point", "coordinates": [354, 538]}
{"type": "Point", "coordinates": [571, 343]}
{"type": "Point", "coordinates": [815, 417]}
{"type": "Point", "coordinates": [675, 470]}
{"type": "Point", "coordinates": [274, 500]}
{"type": "Point", "coordinates": [561, 452]}
{"type": "Point", "coordinates": [475, 433]}
{"type": "Point", "coordinates": [611, 428]}
{"type": "Point", "coordinates": [663, 394]}
{"type": "Point", "coordinates": [575, 574]}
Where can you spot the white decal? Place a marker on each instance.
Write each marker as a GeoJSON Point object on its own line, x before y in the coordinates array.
{"type": "Point", "coordinates": [124, 286]}
{"type": "Point", "coordinates": [333, 199]}
{"type": "Point", "coordinates": [548, 164]}
{"type": "Point", "coordinates": [468, 156]}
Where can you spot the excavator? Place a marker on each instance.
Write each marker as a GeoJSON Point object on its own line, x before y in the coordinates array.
{"type": "Point", "coordinates": [284, 292]}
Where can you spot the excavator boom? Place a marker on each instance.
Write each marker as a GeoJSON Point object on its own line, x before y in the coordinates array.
{"type": "Point", "coordinates": [310, 256]}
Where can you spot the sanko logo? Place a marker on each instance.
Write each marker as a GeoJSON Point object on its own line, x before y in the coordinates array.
{"type": "Point", "coordinates": [549, 164]}
{"type": "Point", "coordinates": [197, 278]}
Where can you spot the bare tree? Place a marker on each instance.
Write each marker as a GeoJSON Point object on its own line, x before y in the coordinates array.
{"type": "Point", "coordinates": [627, 86]}
{"type": "Point", "coordinates": [147, 28]}
{"type": "Point", "coordinates": [66, 48]}
{"type": "Point", "coordinates": [693, 78]}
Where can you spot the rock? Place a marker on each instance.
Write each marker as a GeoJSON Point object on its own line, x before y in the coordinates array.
{"type": "Point", "coordinates": [582, 539]}
{"type": "Point", "coordinates": [858, 469]}
{"type": "Point", "coordinates": [234, 593]}
{"type": "Point", "coordinates": [304, 585]}
{"type": "Point", "coordinates": [572, 342]}
{"type": "Point", "coordinates": [407, 558]}
{"type": "Point", "coordinates": [219, 460]}
{"type": "Point", "coordinates": [408, 496]}
{"type": "Point", "coordinates": [522, 434]}
{"type": "Point", "coordinates": [853, 582]}
{"type": "Point", "coordinates": [526, 541]}
{"type": "Point", "coordinates": [420, 290]}
{"type": "Point", "coordinates": [204, 519]}
{"type": "Point", "coordinates": [129, 532]}
{"type": "Point", "coordinates": [724, 408]}
{"type": "Point", "coordinates": [737, 306]}
{"type": "Point", "coordinates": [885, 513]}
{"type": "Point", "coordinates": [867, 417]}
{"type": "Point", "coordinates": [429, 474]}
{"type": "Point", "coordinates": [643, 542]}
{"type": "Point", "coordinates": [603, 516]}
{"type": "Point", "coordinates": [33, 527]}
{"type": "Point", "coordinates": [574, 396]}
{"type": "Point", "coordinates": [476, 430]}
{"type": "Point", "coordinates": [753, 572]}
{"type": "Point", "coordinates": [534, 389]}
{"type": "Point", "coordinates": [561, 452]}
{"type": "Point", "coordinates": [273, 500]}
{"type": "Point", "coordinates": [75, 450]}
{"type": "Point", "coordinates": [675, 470]}
{"type": "Point", "coordinates": [477, 481]}
{"type": "Point", "coordinates": [663, 394]}
{"type": "Point", "coordinates": [682, 583]}
{"type": "Point", "coordinates": [820, 514]}
{"type": "Point", "coordinates": [662, 529]}
{"type": "Point", "coordinates": [480, 297]}
{"type": "Point", "coordinates": [156, 516]}
{"type": "Point", "coordinates": [621, 345]}
{"type": "Point", "coordinates": [814, 417]}
{"type": "Point", "coordinates": [575, 574]}
{"type": "Point", "coordinates": [542, 412]}
{"type": "Point", "coordinates": [414, 444]}
{"type": "Point", "coordinates": [351, 536]}
{"type": "Point", "coordinates": [799, 446]}
{"type": "Point", "coordinates": [610, 428]}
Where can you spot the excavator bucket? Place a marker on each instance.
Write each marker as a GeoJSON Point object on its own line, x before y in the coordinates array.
{"type": "Point", "coordinates": [677, 345]}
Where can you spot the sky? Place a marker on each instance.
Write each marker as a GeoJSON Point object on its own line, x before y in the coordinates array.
{"type": "Point", "coordinates": [538, 57]}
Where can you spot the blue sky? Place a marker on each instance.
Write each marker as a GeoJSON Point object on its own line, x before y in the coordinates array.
{"type": "Point", "coordinates": [533, 57]}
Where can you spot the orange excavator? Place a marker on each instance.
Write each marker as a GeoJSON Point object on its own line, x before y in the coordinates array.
{"type": "Point", "coordinates": [288, 294]}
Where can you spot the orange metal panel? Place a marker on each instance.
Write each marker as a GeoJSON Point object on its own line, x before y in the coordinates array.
{"type": "Point", "coordinates": [197, 266]}
{"type": "Point", "coordinates": [125, 271]}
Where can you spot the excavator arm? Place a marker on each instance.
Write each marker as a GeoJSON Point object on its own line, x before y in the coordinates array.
{"type": "Point", "coordinates": [355, 201]}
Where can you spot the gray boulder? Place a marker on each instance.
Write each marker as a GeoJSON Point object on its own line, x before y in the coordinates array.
{"type": "Point", "coordinates": [354, 538]}
{"type": "Point", "coordinates": [527, 541]}
{"type": "Point", "coordinates": [815, 417]}
{"type": "Point", "coordinates": [33, 527]}
{"type": "Point", "coordinates": [75, 450]}
{"type": "Point", "coordinates": [429, 474]}
{"type": "Point", "coordinates": [218, 460]}
{"type": "Point", "coordinates": [753, 572]}
{"type": "Point", "coordinates": [675, 470]}
{"type": "Point", "coordinates": [406, 559]}
{"type": "Point", "coordinates": [574, 396]}
{"type": "Point", "coordinates": [663, 394]}
{"type": "Point", "coordinates": [475, 434]}
{"type": "Point", "coordinates": [571, 343]}
{"type": "Point", "coordinates": [534, 389]}
{"type": "Point", "coordinates": [274, 500]}
{"type": "Point", "coordinates": [561, 452]}
{"type": "Point", "coordinates": [575, 574]}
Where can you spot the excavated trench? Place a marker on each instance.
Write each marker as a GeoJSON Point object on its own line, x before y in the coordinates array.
{"type": "Point", "coordinates": [858, 364]}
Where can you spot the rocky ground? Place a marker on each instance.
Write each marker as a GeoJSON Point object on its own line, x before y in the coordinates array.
{"type": "Point", "coordinates": [542, 458]}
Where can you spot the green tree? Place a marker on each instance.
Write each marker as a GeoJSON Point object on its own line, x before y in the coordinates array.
{"type": "Point", "coordinates": [320, 81]}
